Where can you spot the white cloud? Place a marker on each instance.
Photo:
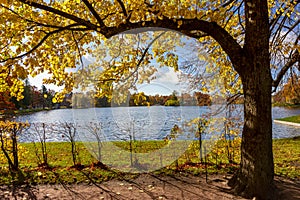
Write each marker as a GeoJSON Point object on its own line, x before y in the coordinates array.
{"type": "Point", "coordinates": [167, 80]}
{"type": "Point", "coordinates": [167, 75]}
{"type": "Point", "coordinates": [38, 82]}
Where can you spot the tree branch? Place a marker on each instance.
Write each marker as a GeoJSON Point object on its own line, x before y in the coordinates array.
{"type": "Point", "coordinates": [60, 13]}
{"type": "Point", "coordinates": [281, 12]}
{"type": "Point", "coordinates": [232, 99]}
{"type": "Point", "coordinates": [39, 44]}
{"type": "Point", "coordinates": [93, 11]}
{"type": "Point", "coordinates": [29, 20]}
{"type": "Point", "coordinates": [143, 56]}
{"type": "Point", "coordinates": [123, 8]}
{"type": "Point", "coordinates": [227, 42]}
{"type": "Point", "coordinates": [290, 29]}
{"type": "Point", "coordinates": [78, 49]}
{"type": "Point", "coordinates": [295, 58]}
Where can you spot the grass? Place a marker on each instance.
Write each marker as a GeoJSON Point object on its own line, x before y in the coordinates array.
{"type": "Point", "coordinates": [61, 170]}
{"type": "Point", "coordinates": [287, 157]}
{"type": "Point", "coordinates": [294, 119]}
{"type": "Point", "coordinates": [141, 146]}
{"type": "Point", "coordinates": [287, 105]}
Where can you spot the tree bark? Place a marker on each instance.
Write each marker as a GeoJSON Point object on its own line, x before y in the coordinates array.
{"type": "Point", "coordinates": [256, 173]}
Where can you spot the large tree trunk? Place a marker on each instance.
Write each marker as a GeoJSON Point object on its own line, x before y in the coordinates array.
{"type": "Point", "coordinates": [256, 173]}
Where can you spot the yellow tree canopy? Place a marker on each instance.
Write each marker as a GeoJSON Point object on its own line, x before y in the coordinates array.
{"type": "Point", "coordinates": [254, 40]}
{"type": "Point", "coordinates": [51, 36]}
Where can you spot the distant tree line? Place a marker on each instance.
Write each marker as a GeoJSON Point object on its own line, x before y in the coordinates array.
{"type": "Point", "coordinates": [34, 98]}
{"type": "Point", "coordinates": [290, 92]}
{"type": "Point", "coordinates": [81, 100]}
{"type": "Point", "coordinates": [174, 99]}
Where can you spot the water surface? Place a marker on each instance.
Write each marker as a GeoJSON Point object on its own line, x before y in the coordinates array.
{"type": "Point", "coordinates": [155, 122]}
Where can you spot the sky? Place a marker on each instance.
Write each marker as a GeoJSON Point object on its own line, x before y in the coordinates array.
{"type": "Point", "coordinates": [165, 83]}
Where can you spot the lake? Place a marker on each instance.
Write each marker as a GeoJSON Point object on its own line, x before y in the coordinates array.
{"type": "Point", "coordinates": [145, 123]}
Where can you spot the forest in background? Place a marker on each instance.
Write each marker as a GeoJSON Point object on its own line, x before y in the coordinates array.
{"type": "Point", "coordinates": [35, 98]}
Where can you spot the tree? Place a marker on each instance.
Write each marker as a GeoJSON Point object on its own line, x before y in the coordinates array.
{"type": "Point", "coordinates": [9, 132]}
{"type": "Point", "coordinates": [27, 100]}
{"type": "Point", "coordinates": [41, 130]}
{"type": "Point", "coordinates": [291, 90]}
{"type": "Point", "coordinates": [6, 106]}
{"type": "Point", "coordinates": [139, 99]}
{"type": "Point", "coordinates": [37, 98]}
{"type": "Point", "coordinates": [69, 132]}
{"type": "Point", "coordinates": [251, 39]}
{"type": "Point", "coordinates": [173, 100]}
{"type": "Point", "coordinates": [44, 93]}
{"type": "Point", "coordinates": [202, 99]}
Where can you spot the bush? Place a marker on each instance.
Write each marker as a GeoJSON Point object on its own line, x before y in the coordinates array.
{"type": "Point", "coordinates": [172, 102]}
{"type": "Point", "coordinates": [9, 132]}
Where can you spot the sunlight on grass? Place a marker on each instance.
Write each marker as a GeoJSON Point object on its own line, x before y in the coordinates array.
{"type": "Point", "coordinates": [294, 119]}
{"type": "Point", "coordinates": [287, 157]}
{"type": "Point", "coordinates": [286, 160]}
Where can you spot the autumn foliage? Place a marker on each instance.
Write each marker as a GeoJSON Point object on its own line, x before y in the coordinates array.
{"type": "Point", "coordinates": [252, 44]}
{"type": "Point", "coordinates": [10, 149]}
{"type": "Point", "coordinates": [6, 106]}
{"type": "Point", "coordinates": [290, 92]}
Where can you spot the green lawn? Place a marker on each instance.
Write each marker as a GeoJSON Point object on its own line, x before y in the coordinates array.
{"type": "Point", "coordinates": [286, 159]}
{"type": "Point", "coordinates": [287, 105]}
{"type": "Point", "coordinates": [294, 119]}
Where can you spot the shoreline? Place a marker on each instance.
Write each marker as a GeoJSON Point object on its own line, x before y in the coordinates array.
{"type": "Point", "coordinates": [287, 123]}
{"type": "Point", "coordinates": [288, 106]}
{"type": "Point", "coordinates": [140, 141]}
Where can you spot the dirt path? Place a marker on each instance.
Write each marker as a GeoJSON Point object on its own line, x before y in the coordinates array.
{"type": "Point", "coordinates": [145, 186]}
